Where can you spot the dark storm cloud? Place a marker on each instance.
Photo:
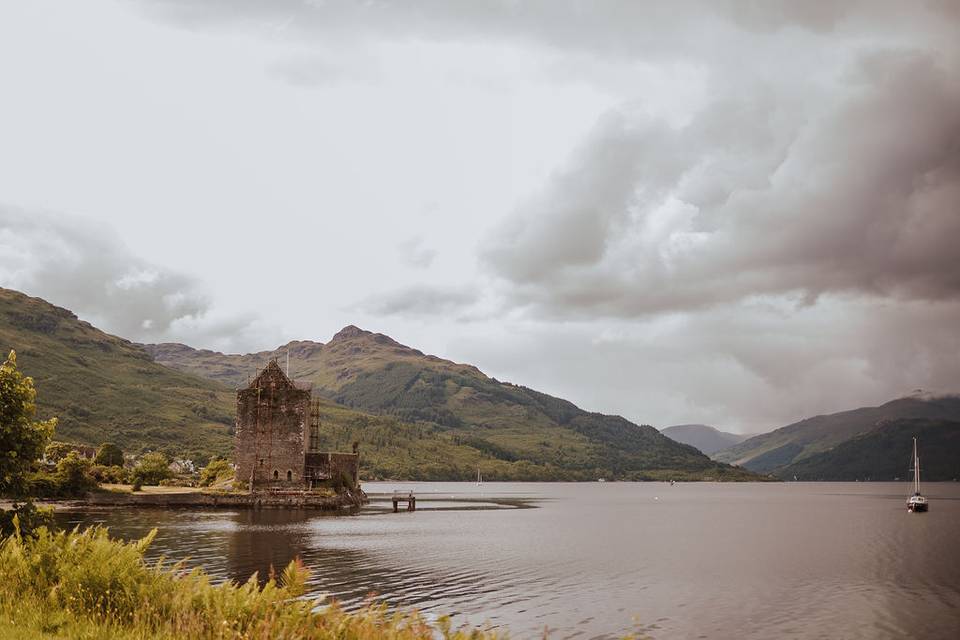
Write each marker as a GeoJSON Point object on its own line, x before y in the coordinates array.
{"type": "Point", "coordinates": [84, 267]}
{"type": "Point", "coordinates": [824, 159]}
{"type": "Point", "coordinates": [861, 193]}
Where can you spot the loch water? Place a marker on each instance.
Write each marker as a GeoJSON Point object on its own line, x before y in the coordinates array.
{"type": "Point", "coordinates": [596, 560]}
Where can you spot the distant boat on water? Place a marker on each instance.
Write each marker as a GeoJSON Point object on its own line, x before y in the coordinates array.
{"type": "Point", "coordinates": [479, 477]}
{"type": "Point", "coordinates": [916, 502]}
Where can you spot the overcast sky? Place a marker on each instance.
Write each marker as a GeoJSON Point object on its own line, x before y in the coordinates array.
{"type": "Point", "coordinates": [737, 213]}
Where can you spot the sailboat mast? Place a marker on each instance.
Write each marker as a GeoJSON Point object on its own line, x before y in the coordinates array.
{"type": "Point", "coordinates": [916, 468]}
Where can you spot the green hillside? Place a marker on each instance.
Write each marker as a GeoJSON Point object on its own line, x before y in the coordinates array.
{"type": "Point", "coordinates": [791, 444]}
{"type": "Point", "coordinates": [514, 427]}
{"type": "Point", "coordinates": [103, 388]}
{"type": "Point", "coordinates": [885, 454]}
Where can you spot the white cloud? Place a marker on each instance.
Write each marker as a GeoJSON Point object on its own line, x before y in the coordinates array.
{"type": "Point", "coordinates": [725, 212]}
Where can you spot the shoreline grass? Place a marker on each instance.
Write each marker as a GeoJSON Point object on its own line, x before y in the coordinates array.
{"type": "Point", "coordinates": [83, 584]}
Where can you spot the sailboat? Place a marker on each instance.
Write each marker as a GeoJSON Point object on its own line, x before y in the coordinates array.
{"type": "Point", "coordinates": [916, 502]}
{"type": "Point", "coordinates": [479, 477]}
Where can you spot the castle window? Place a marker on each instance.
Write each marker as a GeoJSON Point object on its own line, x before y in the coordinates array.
{"type": "Point", "coordinates": [289, 475]}
{"type": "Point", "coordinates": [276, 474]}
{"type": "Point", "coordinates": [261, 462]}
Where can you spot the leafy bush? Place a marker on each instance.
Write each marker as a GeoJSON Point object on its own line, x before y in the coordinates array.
{"type": "Point", "coordinates": [342, 481]}
{"type": "Point", "coordinates": [24, 519]}
{"type": "Point", "coordinates": [109, 455]}
{"type": "Point", "coordinates": [42, 484]}
{"type": "Point", "coordinates": [73, 475]}
{"type": "Point", "coordinates": [83, 584]}
{"type": "Point", "coordinates": [109, 475]}
{"type": "Point", "coordinates": [216, 471]}
{"type": "Point", "coordinates": [152, 468]}
{"type": "Point", "coordinates": [57, 451]}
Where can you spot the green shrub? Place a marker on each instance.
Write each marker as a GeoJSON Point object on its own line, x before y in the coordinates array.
{"type": "Point", "coordinates": [85, 585]}
{"type": "Point", "coordinates": [24, 519]}
{"type": "Point", "coordinates": [343, 481]}
{"type": "Point", "coordinates": [73, 475]}
{"type": "Point", "coordinates": [152, 468]}
{"type": "Point", "coordinates": [57, 451]}
{"type": "Point", "coordinates": [217, 470]}
{"type": "Point", "coordinates": [41, 484]}
{"type": "Point", "coordinates": [109, 474]}
{"type": "Point", "coordinates": [109, 455]}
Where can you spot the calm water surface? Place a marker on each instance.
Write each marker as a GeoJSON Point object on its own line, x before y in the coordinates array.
{"type": "Point", "coordinates": [791, 560]}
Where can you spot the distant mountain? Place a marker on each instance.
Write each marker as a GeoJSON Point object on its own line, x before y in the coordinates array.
{"type": "Point", "coordinates": [707, 439]}
{"type": "Point", "coordinates": [885, 454]}
{"type": "Point", "coordinates": [776, 451]}
{"type": "Point", "coordinates": [549, 437]}
{"type": "Point", "coordinates": [103, 388]}
{"type": "Point", "coordinates": [416, 417]}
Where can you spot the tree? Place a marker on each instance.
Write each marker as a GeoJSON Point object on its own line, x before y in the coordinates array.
{"type": "Point", "coordinates": [217, 469]}
{"type": "Point", "coordinates": [109, 475]}
{"type": "Point", "coordinates": [109, 455]}
{"type": "Point", "coordinates": [73, 475]}
{"type": "Point", "coordinates": [22, 440]}
{"type": "Point", "coordinates": [152, 468]}
{"type": "Point", "coordinates": [57, 451]}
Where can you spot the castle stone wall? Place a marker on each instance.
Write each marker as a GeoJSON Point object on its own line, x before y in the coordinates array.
{"type": "Point", "coordinates": [272, 415]}
{"type": "Point", "coordinates": [333, 466]}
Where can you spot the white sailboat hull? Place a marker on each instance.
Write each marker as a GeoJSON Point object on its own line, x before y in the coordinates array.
{"type": "Point", "coordinates": [917, 504]}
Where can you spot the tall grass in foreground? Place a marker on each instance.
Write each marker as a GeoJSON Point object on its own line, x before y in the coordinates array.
{"type": "Point", "coordinates": [82, 584]}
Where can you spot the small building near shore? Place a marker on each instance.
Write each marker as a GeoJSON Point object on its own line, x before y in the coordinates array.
{"type": "Point", "coordinates": [277, 438]}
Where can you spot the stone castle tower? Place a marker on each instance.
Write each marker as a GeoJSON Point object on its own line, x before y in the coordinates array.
{"type": "Point", "coordinates": [277, 436]}
{"type": "Point", "coordinates": [272, 416]}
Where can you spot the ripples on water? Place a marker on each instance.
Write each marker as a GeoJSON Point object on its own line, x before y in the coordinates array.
{"type": "Point", "coordinates": [794, 560]}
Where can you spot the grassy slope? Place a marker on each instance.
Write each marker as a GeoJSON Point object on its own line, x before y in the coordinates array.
{"type": "Point", "coordinates": [885, 452]}
{"type": "Point", "coordinates": [514, 428]}
{"type": "Point", "coordinates": [793, 443]}
{"type": "Point", "coordinates": [104, 388]}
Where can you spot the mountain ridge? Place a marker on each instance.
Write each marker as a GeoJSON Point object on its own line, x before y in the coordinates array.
{"type": "Point", "coordinates": [776, 451]}
{"type": "Point", "coordinates": [372, 372]}
{"type": "Point", "coordinates": [416, 417]}
{"type": "Point", "coordinates": [885, 454]}
{"type": "Point", "coordinates": [704, 437]}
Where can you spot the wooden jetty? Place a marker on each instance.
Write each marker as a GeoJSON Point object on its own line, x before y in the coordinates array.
{"type": "Point", "coordinates": [409, 498]}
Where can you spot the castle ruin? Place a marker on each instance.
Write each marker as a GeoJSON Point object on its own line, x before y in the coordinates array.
{"type": "Point", "coordinates": [278, 435]}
